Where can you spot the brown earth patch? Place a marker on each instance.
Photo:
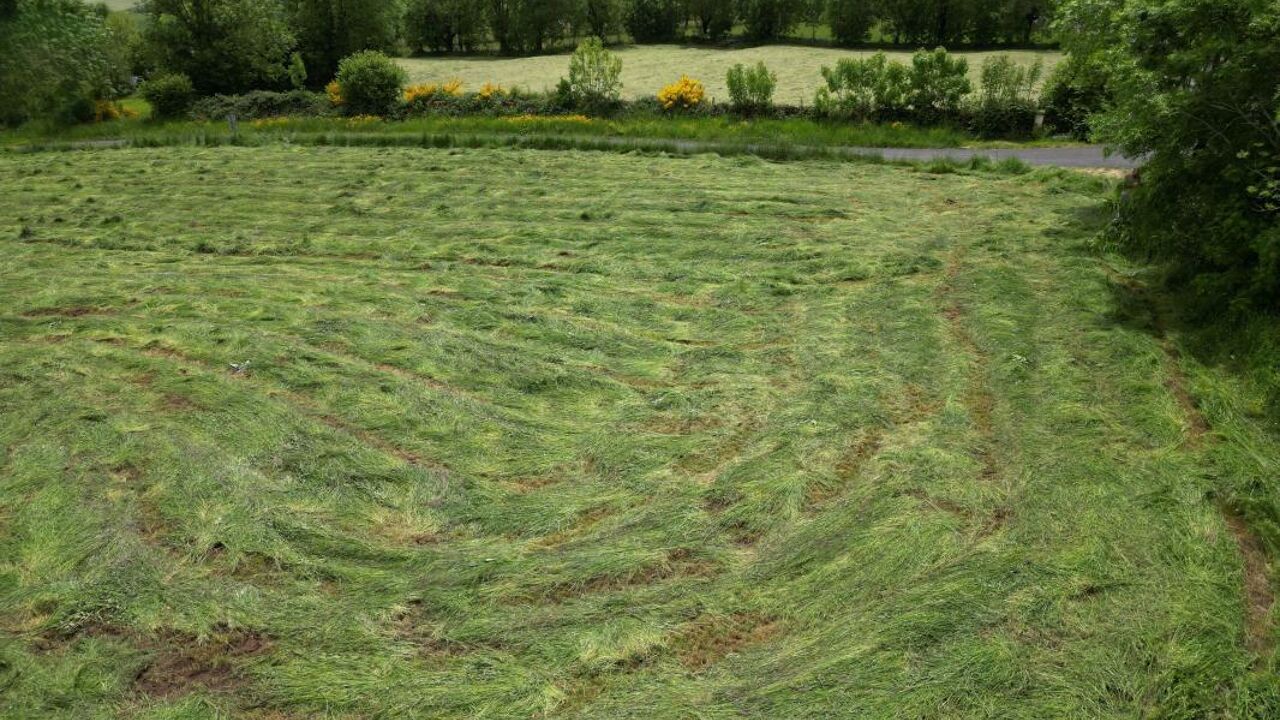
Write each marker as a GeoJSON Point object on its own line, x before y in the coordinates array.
{"type": "Point", "coordinates": [710, 638]}
{"type": "Point", "coordinates": [1258, 594]}
{"type": "Point", "coordinates": [680, 562]}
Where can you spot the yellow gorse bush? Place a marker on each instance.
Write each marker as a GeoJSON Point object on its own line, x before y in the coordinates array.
{"type": "Point", "coordinates": [488, 90]}
{"type": "Point", "coordinates": [334, 91]}
{"type": "Point", "coordinates": [106, 110]}
{"type": "Point", "coordinates": [430, 90]}
{"type": "Point", "coordinates": [519, 119]}
{"type": "Point", "coordinates": [685, 93]}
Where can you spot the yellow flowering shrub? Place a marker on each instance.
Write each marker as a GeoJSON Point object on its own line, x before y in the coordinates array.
{"type": "Point", "coordinates": [107, 110]}
{"type": "Point", "coordinates": [686, 93]}
{"type": "Point", "coordinates": [334, 91]}
{"type": "Point", "coordinates": [489, 90]}
{"type": "Point", "coordinates": [430, 90]}
{"type": "Point", "coordinates": [523, 119]}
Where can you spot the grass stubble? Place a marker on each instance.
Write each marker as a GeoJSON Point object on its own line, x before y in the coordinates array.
{"type": "Point", "coordinates": [292, 431]}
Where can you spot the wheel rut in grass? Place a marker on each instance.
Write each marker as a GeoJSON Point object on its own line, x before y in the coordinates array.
{"type": "Point", "coordinates": [1259, 595]}
{"type": "Point", "coordinates": [307, 407]}
{"type": "Point", "coordinates": [979, 401]}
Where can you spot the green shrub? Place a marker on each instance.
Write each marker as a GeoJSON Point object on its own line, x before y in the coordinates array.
{"type": "Point", "coordinates": [297, 72]}
{"type": "Point", "coordinates": [751, 88]}
{"type": "Point", "coordinates": [938, 84]}
{"type": "Point", "coordinates": [1006, 103]}
{"type": "Point", "coordinates": [170, 95]}
{"type": "Point", "coordinates": [1074, 93]}
{"type": "Point", "coordinates": [863, 89]}
{"type": "Point", "coordinates": [594, 75]}
{"type": "Point", "coordinates": [371, 83]}
{"type": "Point", "coordinates": [262, 104]}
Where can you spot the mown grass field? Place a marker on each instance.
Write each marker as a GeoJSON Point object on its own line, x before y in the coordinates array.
{"type": "Point", "coordinates": [647, 68]}
{"type": "Point", "coordinates": [292, 432]}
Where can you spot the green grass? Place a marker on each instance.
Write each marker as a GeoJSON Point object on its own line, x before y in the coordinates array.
{"type": "Point", "coordinates": [647, 68]}
{"type": "Point", "coordinates": [773, 138]}
{"type": "Point", "coordinates": [355, 432]}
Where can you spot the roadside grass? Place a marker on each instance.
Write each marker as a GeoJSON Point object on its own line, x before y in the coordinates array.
{"type": "Point", "coordinates": [647, 68]}
{"type": "Point", "coordinates": [295, 431]}
{"type": "Point", "coordinates": [800, 138]}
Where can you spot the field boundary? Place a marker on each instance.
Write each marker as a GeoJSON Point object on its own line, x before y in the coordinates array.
{"type": "Point", "coordinates": [1087, 156]}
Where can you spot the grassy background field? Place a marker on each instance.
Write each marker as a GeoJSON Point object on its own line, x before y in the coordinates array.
{"type": "Point", "coordinates": [354, 432]}
{"type": "Point", "coordinates": [647, 68]}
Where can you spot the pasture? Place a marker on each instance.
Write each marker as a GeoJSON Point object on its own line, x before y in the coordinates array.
{"type": "Point", "coordinates": [296, 432]}
{"type": "Point", "coordinates": [647, 68]}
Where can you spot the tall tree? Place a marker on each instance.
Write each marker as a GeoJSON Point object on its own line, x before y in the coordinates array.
{"type": "Point", "coordinates": [769, 19]}
{"type": "Point", "coordinates": [850, 20]}
{"type": "Point", "coordinates": [444, 25]}
{"type": "Point", "coordinates": [53, 60]}
{"type": "Point", "coordinates": [714, 17]}
{"type": "Point", "coordinates": [224, 46]}
{"type": "Point", "coordinates": [329, 30]}
{"type": "Point", "coordinates": [602, 17]}
{"type": "Point", "coordinates": [1196, 89]}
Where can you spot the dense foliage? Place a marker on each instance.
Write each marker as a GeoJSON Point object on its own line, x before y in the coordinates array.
{"type": "Point", "coordinates": [54, 61]}
{"type": "Point", "coordinates": [651, 21]}
{"type": "Point", "coordinates": [1006, 105]}
{"type": "Point", "coordinates": [170, 95]}
{"type": "Point", "coordinates": [1196, 85]}
{"type": "Point", "coordinates": [370, 82]}
{"type": "Point", "coordinates": [594, 74]}
{"type": "Point", "coordinates": [224, 46]}
{"type": "Point", "coordinates": [751, 88]}
{"type": "Point", "coordinates": [329, 30]}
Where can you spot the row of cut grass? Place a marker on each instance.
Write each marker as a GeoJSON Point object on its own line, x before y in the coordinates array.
{"type": "Point", "coordinates": [453, 433]}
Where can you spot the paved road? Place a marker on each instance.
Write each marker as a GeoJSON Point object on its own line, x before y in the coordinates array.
{"type": "Point", "coordinates": [1086, 156]}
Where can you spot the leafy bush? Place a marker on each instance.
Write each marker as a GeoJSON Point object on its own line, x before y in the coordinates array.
{"type": "Point", "coordinates": [1075, 92]}
{"type": "Point", "coordinates": [1195, 86]}
{"type": "Point", "coordinates": [684, 94]}
{"type": "Point", "coordinates": [1006, 104]}
{"type": "Point", "coordinates": [651, 21]}
{"type": "Point", "coordinates": [228, 46]}
{"type": "Point", "coordinates": [52, 60]}
{"type": "Point", "coordinates": [751, 88]}
{"type": "Point", "coordinates": [171, 95]}
{"type": "Point", "coordinates": [370, 83]}
{"type": "Point", "coordinates": [938, 84]}
{"type": "Point", "coordinates": [594, 75]}
{"type": "Point", "coordinates": [261, 104]}
{"type": "Point", "coordinates": [863, 88]}
{"type": "Point", "coordinates": [297, 72]}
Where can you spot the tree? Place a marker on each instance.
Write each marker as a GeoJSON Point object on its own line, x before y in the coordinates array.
{"type": "Point", "coordinates": [850, 20]}
{"type": "Point", "coordinates": [909, 21]}
{"type": "Point", "coordinates": [1195, 86]}
{"type": "Point", "coordinates": [224, 46]}
{"type": "Point", "coordinates": [715, 17]}
{"type": "Point", "coordinates": [330, 30]}
{"type": "Point", "coordinates": [53, 63]}
{"type": "Point", "coordinates": [444, 25]}
{"type": "Point", "coordinates": [602, 17]}
{"type": "Point", "coordinates": [769, 19]}
{"type": "Point", "coordinates": [651, 21]}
